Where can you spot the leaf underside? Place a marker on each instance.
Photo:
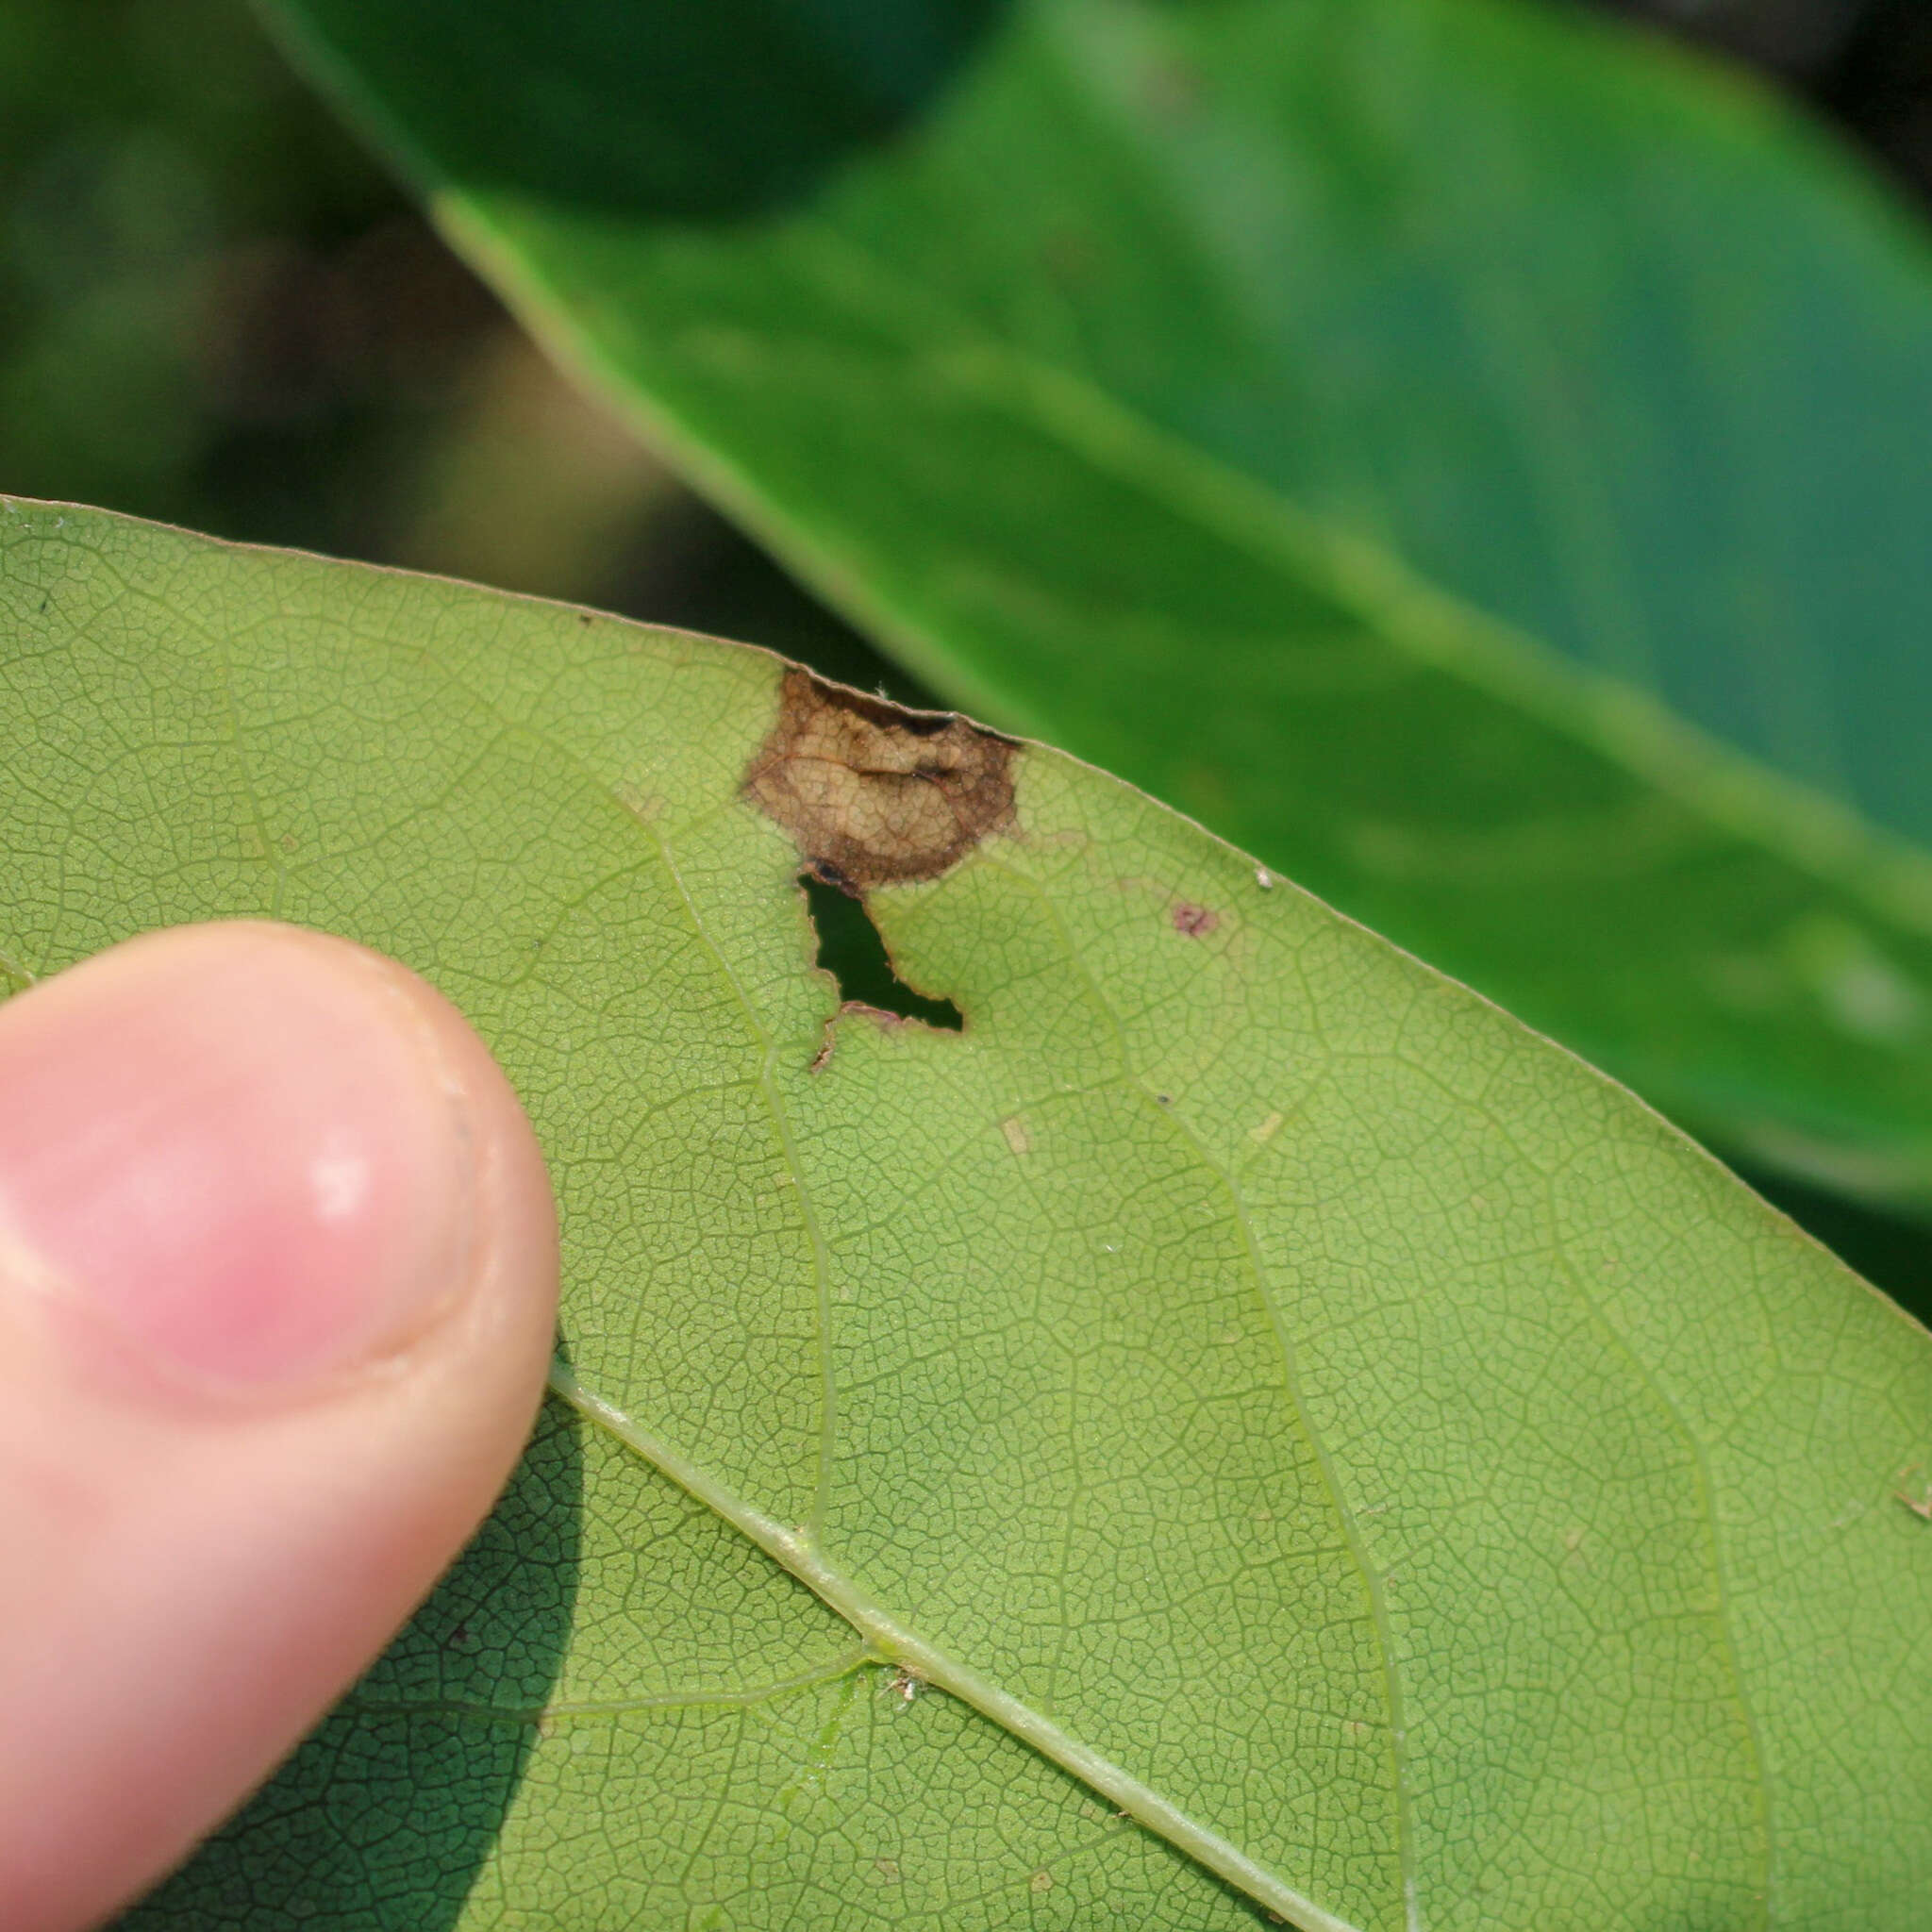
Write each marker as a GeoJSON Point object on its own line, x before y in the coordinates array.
{"type": "Point", "coordinates": [1334, 1425]}
{"type": "Point", "coordinates": [1471, 458]}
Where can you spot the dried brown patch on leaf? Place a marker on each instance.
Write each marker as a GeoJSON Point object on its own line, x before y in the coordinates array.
{"type": "Point", "coordinates": [876, 795]}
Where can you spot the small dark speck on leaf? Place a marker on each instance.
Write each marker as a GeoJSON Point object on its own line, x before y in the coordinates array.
{"type": "Point", "coordinates": [1195, 921]}
{"type": "Point", "coordinates": [45, 602]}
{"type": "Point", "coordinates": [585, 617]}
{"type": "Point", "coordinates": [1164, 1099]}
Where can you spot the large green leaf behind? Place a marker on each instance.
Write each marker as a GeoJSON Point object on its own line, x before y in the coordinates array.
{"type": "Point", "coordinates": [1472, 459]}
{"type": "Point", "coordinates": [1241, 1380]}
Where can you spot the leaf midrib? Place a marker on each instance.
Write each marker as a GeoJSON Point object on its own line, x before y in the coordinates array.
{"type": "Point", "coordinates": [897, 1642]}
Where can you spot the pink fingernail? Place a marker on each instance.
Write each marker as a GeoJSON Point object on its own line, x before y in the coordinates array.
{"type": "Point", "coordinates": [238, 1146]}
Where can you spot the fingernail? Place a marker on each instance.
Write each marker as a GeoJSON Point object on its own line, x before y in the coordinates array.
{"type": "Point", "coordinates": [237, 1146]}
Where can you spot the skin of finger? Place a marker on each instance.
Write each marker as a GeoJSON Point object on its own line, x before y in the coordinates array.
{"type": "Point", "coordinates": [187, 1583]}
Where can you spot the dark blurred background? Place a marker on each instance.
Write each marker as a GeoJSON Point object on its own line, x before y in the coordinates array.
{"type": "Point", "coordinates": [216, 310]}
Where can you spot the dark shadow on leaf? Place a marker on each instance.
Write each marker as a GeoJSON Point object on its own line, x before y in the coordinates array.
{"type": "Point", "coordinates": [657, 107]}
{"type": "Point", "coordinates": [383, 1818]}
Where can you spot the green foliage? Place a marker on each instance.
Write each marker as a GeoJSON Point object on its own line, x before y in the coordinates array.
{"type": "Point", "coordinates": [1468, 457]}
{"type": "Point", "coordinates": [1201, 1418]}
{"type": "Point", "coordinates": [1242, 1380]}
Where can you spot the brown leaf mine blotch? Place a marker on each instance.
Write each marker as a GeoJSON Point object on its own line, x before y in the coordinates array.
{"type": "Point", "coordinates": [876, 795]}
{"type": "Point", "coordinates": [1197, 921]}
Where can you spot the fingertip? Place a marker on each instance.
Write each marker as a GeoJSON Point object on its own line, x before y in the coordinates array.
{"type": "Point", "coordinates": [231, 1476]}
{"type": "Point", "coordinates": [253, 1151]}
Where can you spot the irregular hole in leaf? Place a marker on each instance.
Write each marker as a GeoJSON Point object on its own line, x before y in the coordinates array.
{"type": "Point", "coordinates": [853, 951]}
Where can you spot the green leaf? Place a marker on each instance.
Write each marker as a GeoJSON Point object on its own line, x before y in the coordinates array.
{"type": "Point", "coordinates": [1256, 1385]}
{"type": "Point", "coordinates": [1471, 457]}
